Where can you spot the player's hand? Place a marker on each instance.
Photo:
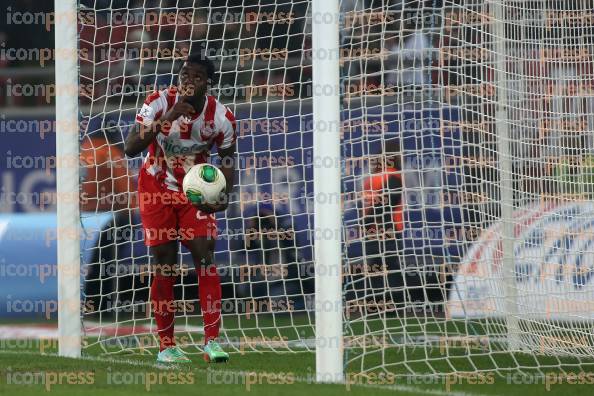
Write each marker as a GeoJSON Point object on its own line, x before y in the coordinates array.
{"type": "Point", "coordinates": [213, 207]}
{"type": "Point", "coordinates": [179, 109]}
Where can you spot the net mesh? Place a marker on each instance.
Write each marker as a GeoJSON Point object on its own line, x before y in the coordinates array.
{"type": "Point", "coordinates": [468, 212]}
{"type": "Point", "coordinates": [263, 254]}
{"type": "Point", "coordinates": [459, 119]}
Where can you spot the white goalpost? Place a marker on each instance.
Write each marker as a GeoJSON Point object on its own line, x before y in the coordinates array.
{"type": "Point", "coordinates": [67, 181]}
{"type": "Point", "coordinates": [327, 202]}
{"type": "Point", "coordinates": [505, 169]}
{"type": "Point", "coordinates": [327, 262]}
{"type": "Point", "coordinates": [414, 185]}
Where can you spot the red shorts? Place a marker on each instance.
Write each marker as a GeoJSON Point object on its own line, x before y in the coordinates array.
{"type": "Point", "coordinates": [168, 215]}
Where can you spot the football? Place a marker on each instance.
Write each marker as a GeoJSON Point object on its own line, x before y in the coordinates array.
{"type": "Point", "coordinates": [204, 183]}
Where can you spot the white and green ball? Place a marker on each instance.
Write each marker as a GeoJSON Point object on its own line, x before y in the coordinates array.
{"type": "Point", "coordinates": [204, 183]}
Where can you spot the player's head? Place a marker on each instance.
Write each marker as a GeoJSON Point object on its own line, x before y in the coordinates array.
{"type": "Point", "coordinates": [195, 74]}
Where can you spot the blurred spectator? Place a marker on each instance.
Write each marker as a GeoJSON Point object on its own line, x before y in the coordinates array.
{"type": "Point", "coordinates": [409, 56]}
{"type": "Point", "coordinates": [21, 34]}
{"type": "Point", "coordinates": [3, 64]}
{"type": "Point", "coordinates": [350, 6]}
{"type": "Point", "coordinates": [271, 242]}
{"type": "Point", "coordinates": [382, 267]}
{"type": "Point", "coordinates": [270, 237]}
{"type": "Point", "coordinates": [137, 61]}
{"type": "Point", "coordinates": [104, 174]}
{"type": "Point", "coordinates": [382, 195]}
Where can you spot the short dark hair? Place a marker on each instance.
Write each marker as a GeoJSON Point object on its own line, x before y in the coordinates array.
{"type": "Point", "coordinates": [199, 58]}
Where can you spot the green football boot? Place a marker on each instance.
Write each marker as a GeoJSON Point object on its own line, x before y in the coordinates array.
{"type": "Point", "coordinates": [172, 355]}
{"type": "Point", "coordinates": [213, 353]}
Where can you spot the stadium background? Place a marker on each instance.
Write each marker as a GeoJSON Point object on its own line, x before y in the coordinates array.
{"type": "Point", "coordinates": [29, 180]}
{"type": "Point", "coordinates": [450, 180]}
{"type": "Point", "coordinates": [439, 158]}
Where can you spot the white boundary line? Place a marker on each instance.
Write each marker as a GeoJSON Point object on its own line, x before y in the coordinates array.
{"type": "Point", "coordinates": [307, 380]}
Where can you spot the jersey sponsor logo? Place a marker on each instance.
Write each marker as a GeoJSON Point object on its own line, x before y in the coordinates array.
{"type": "Point", "coordinates": [175, 147]}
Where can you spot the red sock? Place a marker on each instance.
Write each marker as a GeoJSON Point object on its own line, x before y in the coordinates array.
{"type": "Point", "coordinates": [209, 288]}
{"type": "Point", "coordinates": [163, 308]}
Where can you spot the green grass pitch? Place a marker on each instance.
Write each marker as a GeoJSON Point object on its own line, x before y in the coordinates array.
{"type": "Point", "coordinates": [26, 371]}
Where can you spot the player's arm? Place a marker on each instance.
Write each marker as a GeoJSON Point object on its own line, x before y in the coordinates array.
{"type": "Point", "coordinates": [139, 137]}
{"type": "Point", "coordinates": [142, 134]}
{"type": "Point", "coordinates": [228, 166]}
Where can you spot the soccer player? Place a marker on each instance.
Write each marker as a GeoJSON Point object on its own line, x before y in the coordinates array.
{"type": "Point", "coordinates": [180, 125]}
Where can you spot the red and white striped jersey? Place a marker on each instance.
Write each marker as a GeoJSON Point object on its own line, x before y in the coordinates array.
{"type": "Point", "coordinates": [187, 141]}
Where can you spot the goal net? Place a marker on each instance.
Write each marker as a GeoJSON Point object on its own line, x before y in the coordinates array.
{"type": "Point", "coordinates": [263, 254]}
{"type": "Point", "coordinates": [480, 114]}
{"type": "Point", "coordinates": [467, 179]}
